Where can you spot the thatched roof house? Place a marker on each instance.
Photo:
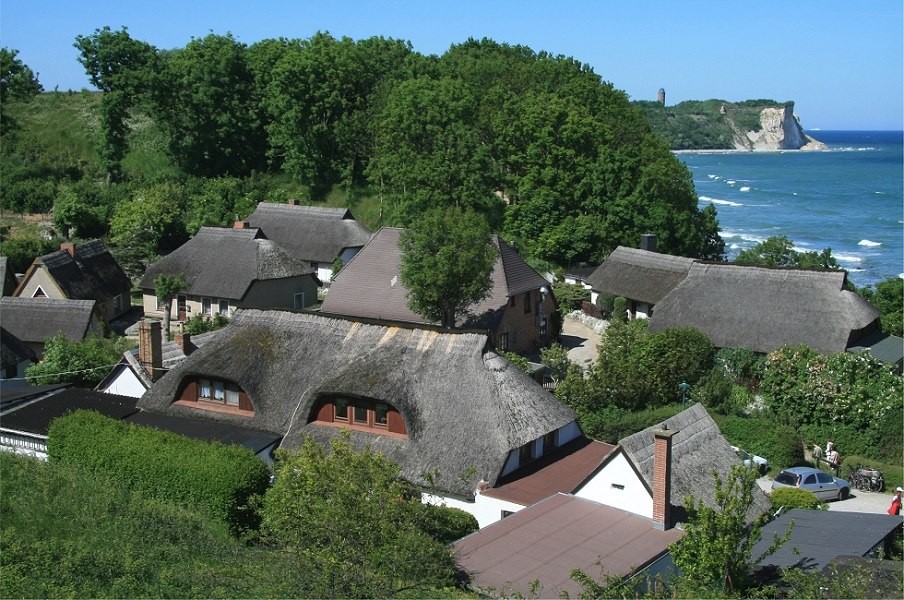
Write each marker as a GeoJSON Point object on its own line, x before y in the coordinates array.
{"type": "Point", "coordinates": [79, 272]}
{"type": "Point", "coordinates": [639, 275]}
{"type": "Point", "coordinates": [698, 449]}
{"type": "Point", "coordinates": [316, 235]}
{"type": "Point", "coordinates": [32, 320]}
{"type": "Point", "coordinates": [453, 406]}
{"type": "Point", "coordinates": [764, 309]}
{"type": "Point", "coordinates": [370, 287]}
{"type": "Point", "coordinates": [7, 277]}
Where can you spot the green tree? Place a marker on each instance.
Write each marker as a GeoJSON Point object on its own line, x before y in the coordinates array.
{"type": "Point", "coordinates": [888, 297]}
{"type": "Point", "coordinates": [75, 216]}
{"type": "Point", "coordinates": [556, 358]}
{"type": "Point", "coordinates": [349, 514]}
{"type": "Point", "coordinates": [83, 363]}
{"type": "Point", "coordinates": [17, 81]}
{"type": "Point", "coordinates": [122, 68]}
{"type": "Point", "coordinates": [715, 554]}
{"type": "Point", "coordinates": [168, 287]}
{"type": "Point", "coordinates": [447, 258]}
{"type": "Point", "coordinates": [778, 251]}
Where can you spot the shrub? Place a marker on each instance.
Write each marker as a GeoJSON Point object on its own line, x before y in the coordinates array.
{"type": "Point", "coordinates": [215, 478]}
{"type": "Point", "coordinates": [445, 524]}
{"type": "Point", "coordinates": [611, 423]}
{"type": "Point", "coordinates": [740, 364]}
{"type": "Point", "coordinates": [791, 497]}
{"type": "Point", "coordinates": [516, 359]}
{"type": "Point", "coordinates": [620, 309]}
{"type": "Point", "coordinates": [570, 296]}
{"type": "Point", "coordinates": [606, 304]}
{"type": "Point", "coordinates": [880, 443]}
{"type": "Point", "coordinates": [714, 391]}
{"type": "Point", "coordinates": [893, 474]}
{"type": "Point", "coordinates": [198, 324]}
{"type": "Point", "coordinates": [779, 444]}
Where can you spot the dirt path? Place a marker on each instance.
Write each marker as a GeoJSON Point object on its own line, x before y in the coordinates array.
{"type": "Point", "coordinates": [581, 342]}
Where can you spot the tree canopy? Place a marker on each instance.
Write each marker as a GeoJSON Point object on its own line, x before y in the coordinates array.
{"type": "Point", "coordinates": [447, 258]}
{"type": "Point", "coordinates": [779, 251]}
{"type": "Point", "coordinates": [83, 363]}
{"type": "Point", "coordinates": [17, 80]}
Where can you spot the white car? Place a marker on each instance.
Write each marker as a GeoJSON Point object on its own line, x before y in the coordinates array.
{"type": "Point", "coordinates": [752, 460]}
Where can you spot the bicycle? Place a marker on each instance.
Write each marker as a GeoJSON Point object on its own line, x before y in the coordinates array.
{"type": "Point", "coordinates": [867, 480]}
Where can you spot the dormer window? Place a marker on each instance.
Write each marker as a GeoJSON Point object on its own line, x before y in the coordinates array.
{"type": "Point", "coordinates": [214, 394]}
{"type": "Point", "coordinates": [359, 413]}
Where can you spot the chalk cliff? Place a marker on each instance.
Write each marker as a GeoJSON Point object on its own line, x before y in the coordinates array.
{"type": "Point", "coordinates": [780, 130]}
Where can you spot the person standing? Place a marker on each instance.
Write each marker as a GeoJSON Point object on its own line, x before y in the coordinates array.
{"type": "Point", "coordinates": [895, 508]}
{"type": "Point", "coordinates": [833, 458]}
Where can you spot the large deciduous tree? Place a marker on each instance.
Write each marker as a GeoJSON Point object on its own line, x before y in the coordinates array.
{"type": "Point", "coordinates": [447, 258]}
{"type": "Point", "coordinates": [779, 251]}
{"type": "Point", "coordinates": [83, 363]}
{"type": "Point", "coordinates": [17, 81]}
{"type": "Point", "coordinates": [122, 68]}
{"type": "Point", "coordinates": [167, 287]}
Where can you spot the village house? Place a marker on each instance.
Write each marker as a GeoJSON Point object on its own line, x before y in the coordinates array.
{"type": "Point", "coordinates": [33, 320]}
{"type": "Point", "coordinates": [10, 283]}
{"type": "Point", "coordinates": [227, 269]}
{"type": "Point", "coordinates": [315, 235]}
{"type": "Point", "coordinates": [79, 272]}
{"type": "Point", "coordinates": [15, 357]}
{"type": "Point", "coordinates": [518, 313]}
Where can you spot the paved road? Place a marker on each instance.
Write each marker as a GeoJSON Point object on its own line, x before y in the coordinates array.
{"type": "Point", "coordinates": [865, 502]}
{"type": "Point", "coordinates": [581, 342]}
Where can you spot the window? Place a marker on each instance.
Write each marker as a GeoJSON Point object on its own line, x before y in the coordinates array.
{"type": "Point", "coordinates": [824, 478]}
{"type": "Point", "coordinates": [618, 486]}
{"type": "Point", "coordinates": [39, 293]}
{"type": "Point", "coordinates": [299, 301]}
{"type": "Point", "coordinates": [219, 391]}
{"type": "Point", "coordinates": [507, 513]}
{"type": "Point", "coordinates": [544, 325]}
{"type": "Point", "coordinates": [204, 389]}
{"type": "Point", "coordinates": [360, 413]}
{"type": "Point", "coordinates": [206, 306]}
{"type": "Point", "coordinates": [504, 342]}
{"type": "Point", "coordinates": [159, 303]}
{"type": "Point", "coordinates": [526, 302]}
{"type": "Point", "coordinates": [224, 308]}
{"type": "Point", "coordinates": [207, 393]}
{"type": "Point", "coordinates": [550, 441]}
{"type": "Point", "coordinates": [525, 454]}
{"type": "Point", "coordinates": [811, 479]}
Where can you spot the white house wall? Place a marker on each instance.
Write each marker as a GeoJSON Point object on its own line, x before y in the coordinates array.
{"type": "Point", "coordinates": [604, 488]}
{"type": "Point", "coordinates": [485, 509]}
{"type": "Point", "coordinates": [125, 383]}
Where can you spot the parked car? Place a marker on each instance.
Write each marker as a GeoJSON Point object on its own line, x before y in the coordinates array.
{"type": "Point", "coordinates": [819, 482]}
{"type": "Point", "coordinates": [752, 460]}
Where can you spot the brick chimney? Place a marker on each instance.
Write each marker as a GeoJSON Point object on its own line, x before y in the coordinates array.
{"type": "Point", "coordinates": [150, 352]}
{"type": "Point", "coordinates": [662, 478]}
{"type": "Point", "coordinates": [68, 247]}
{"type": "Point", "coordinates": [183, 342]}
{"type": "Point", "coordinates": [241, 225]}
{"type": "Point", "coordinates": [648, 242]}
{"type": "Point", "coordinates": [292, 202]}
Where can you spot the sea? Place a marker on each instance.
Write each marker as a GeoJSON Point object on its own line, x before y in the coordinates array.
{"type": "Point", "coordinates": [849, 198]}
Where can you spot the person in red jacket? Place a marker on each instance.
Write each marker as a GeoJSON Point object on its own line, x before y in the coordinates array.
{"type": "Point", "coordinates": [895, 508]}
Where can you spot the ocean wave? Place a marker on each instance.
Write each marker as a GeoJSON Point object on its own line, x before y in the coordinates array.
{"type": "Point", "coordinates": [730, 181]}
{"type": "Point", "coordinates": [746, 237]}
{"type": "Point", "coordinates": [711, 176]}
{"type": "Point", "coordinates": [869, 243]}
{"type": "Point", "coordinates": [717, 201]}
{"type": "Point", "coordinates": [745, 188]}
{"type": "Point", "coordinates": [847, 258]}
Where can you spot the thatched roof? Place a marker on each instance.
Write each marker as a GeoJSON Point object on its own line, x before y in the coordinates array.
{"type": "Point", "coordinates": [310, 233]}
{"type": "Point", "coordinates": [369, 286]}
{"type": "Point", "coordinates": [91, 274]}
{"type": "Point", "coordinates": [698, 449]}
{"type": "Point", "coordinates": [764, 309]}
{"type": "Point", "coordinates": [7, 278]}
{"type": "Point", "coordinates": [223, 263]}
{"type": "Point", "coordinates": [639, 274]}
{"type": "Point", "coordinates": [34, 319]}
{"type": "Point", "coordinates": [464, 407]}
{"type": "Point", "coordinates": [13, 351]}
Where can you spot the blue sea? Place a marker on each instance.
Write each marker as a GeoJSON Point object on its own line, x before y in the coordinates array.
{"type": "Point", "coordinates": [848, 198]}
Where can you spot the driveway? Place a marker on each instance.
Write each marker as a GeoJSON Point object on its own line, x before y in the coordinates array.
{"type": "Point", "coordinates": [581, 342]}
{"type": "Point", "coordinates": [863, 502]}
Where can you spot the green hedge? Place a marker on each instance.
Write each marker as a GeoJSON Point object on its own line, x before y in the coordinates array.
{"type": "Point", "coordinates": [215, 478]}
{"type": "Point", "coordinates": [791, 497]}
{"type": "Point", "coordinates": [611, 424]}
{"type": "Point", "coordinates": [893, 475]}
{"type": "Point", "coordinates": [779, 444]}
{"type": "Point", "coordinates": [881, 443]}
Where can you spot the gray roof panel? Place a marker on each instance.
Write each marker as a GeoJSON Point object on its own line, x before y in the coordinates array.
{"type": "Point", "coordinates": [34, 319]}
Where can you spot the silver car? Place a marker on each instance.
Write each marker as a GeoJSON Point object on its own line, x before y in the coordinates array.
{"type": "Point", "coordinates": [823, 485]}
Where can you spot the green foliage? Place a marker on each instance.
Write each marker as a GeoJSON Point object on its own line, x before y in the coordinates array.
{"type": "Point", "coordinates": [892, 472]}
{"type": "Point", "coordinates": [606, 304]}
{"type": "Point", "coordinates": [167, 287]}
{"type": "Point", "coordinates": [351, 515]}
{"type": "Point", "coordinates": [888, 297]}
{"type": "Point", "coordinates": [715, 553]}
{"type": "Point", "coordinates": [337, 266]}
{"type": "Point", "coordinates": [20, 252]}
{"type": "Point", "coordinates": [714, 391]}
{"type": "Point", "coordinates": [778, 251]}
{"type": "Point", "coordinates": [445, 524]}
{"type": "Point", "coordinates": [556, 358]}
{"type": "Point", "coordinates": [610, 423]}
{"type": "Point", "coordinates": [620, 309]}
{"type": "Point", "coordinates": [791, 497]}
{"type": "Point", "coordinates": [83, 364]}
{"type": "Point", "coordinates": [844, 580]}
{"type": "Point", "coordinates": [76, 216]}
{"type": "Point", "coordinates": [216, 479]}
{"type": "Point", "coordinates": [739, 364]}
{"type": "Point", "coordinates": [199, 324]}
{"type": "Point", "coordinates": [447, 258]}
{"type": "Point", "coordinates": [637, 370]}
{"type": "Point", "coordinates": [18, 81]}
{"type": "Point", "coordinates": [569, 296]}
{"type": "Point", "coordinates": [516, 359]}
{"type": "Point", "coordinates": [781, 445]}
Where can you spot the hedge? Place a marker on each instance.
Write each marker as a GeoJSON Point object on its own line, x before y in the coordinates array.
{"type": "Point", "coordinates": [610, 424]}
{"type": "Point", "coordinates": [779, 444]}
{"type": "Point", "coordinates": [215, 478]}
{"type": "Point", "coordinates": [881, 443]}
{"type": "Point", "coordinates": [893, 475]}
{"type": "Point", "coordinates": [792, 497]}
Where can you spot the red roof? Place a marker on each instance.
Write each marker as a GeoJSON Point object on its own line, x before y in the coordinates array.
{"type": "Point", "coordinates": [561, 471]}
{"type": "Point", "coordinates": [544, 542]}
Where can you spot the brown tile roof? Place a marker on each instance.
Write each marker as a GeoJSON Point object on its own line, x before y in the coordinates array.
{"type": "Point", "coordinates": [546, 541]}
{"type": "Point", "coordinates": [561, 471]}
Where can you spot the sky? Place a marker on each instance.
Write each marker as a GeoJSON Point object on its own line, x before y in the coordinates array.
{"type": "Point", "coordinates": [841, 62]}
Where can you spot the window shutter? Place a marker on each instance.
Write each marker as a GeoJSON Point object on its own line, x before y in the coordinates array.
{"type": "Point", "coordinates": [326, 412]}
{"type": "Point", "coordinates": [244, 401]}
{"type": "Point", "coordinates": [396, 423]}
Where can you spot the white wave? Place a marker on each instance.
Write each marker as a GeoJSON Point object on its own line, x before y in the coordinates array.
{"type": "Point", "coordinates": [745, 188]}
{"type": "Point", "coordinates": [793, 193]}
{"type": "Point", "coordinates": [879, 193]}
{"type": "Point", "coordinates": [717, 201]}
{"type": "Point", "coordinates": [847, 258]}
{"type": "Point", "coordinates": [736, 247]}
{"type": "Point", "coordinates": [869, 243]}
{"type": "Point", "coordinates": [711, 176]}
{"type": "Point", "coordinates": [730, 181]}
{"type": "Point", "coordinates": [746, 237]}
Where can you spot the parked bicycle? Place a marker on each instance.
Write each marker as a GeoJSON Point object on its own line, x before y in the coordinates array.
{"type": "Point", "coordinates": [867, 480]}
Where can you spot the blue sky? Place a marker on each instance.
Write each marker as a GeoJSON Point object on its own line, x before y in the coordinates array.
{"type": "Point", "coordinates": [842, 62]}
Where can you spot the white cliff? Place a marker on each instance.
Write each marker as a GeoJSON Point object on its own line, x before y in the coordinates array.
{"type": "Point", "coordinates": [780, 129]}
